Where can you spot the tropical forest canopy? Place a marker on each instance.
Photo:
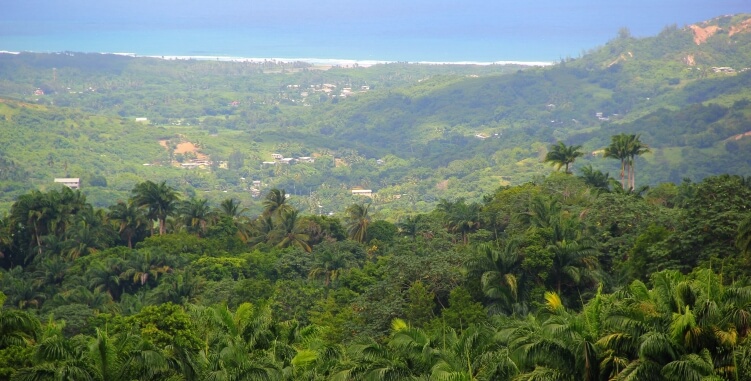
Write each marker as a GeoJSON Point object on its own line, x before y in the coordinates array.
{"type": "Point", "coordinates": [588, 220]}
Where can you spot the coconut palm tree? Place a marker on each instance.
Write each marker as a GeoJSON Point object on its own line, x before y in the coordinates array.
{"type": "Point", "coordinates": [261, 230]}
{"type": "Point", "coordinates": [561, 155]}
{"type": "Point", "coordinates": [231, 208]}
{"type": "Point", "coordinates": [357, 221]}
{"type": "Point", "coordinates": [289, 232]}
{"type": "Point", "coordinates": [275, 203]}
{"type": "Point", "coordinates": [159, 199]}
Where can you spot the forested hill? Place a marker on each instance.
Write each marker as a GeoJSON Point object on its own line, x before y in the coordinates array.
{"type": "Point", "coordinates": [216, 235]}
{"type": "Point", "coordinates": [425, 132]}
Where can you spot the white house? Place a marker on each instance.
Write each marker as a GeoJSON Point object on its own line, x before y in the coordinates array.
{"type": "Point", "coordinates": [362, 192]}
{"type": "Point", "coordinates": [72, 183]}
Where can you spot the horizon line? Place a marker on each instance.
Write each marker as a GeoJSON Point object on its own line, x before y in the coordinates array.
{"type": "Point", "coordinates": [310, 60]}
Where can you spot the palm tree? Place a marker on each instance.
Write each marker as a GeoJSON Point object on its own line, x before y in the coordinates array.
{"type": "Point", "coordinates": [237, 344]}
{"type": "Point", "coordinates": [500, 275]}
{"type": "Point", "coordinates": [261, 230]}
{"type": "Point", "coordinates": [460, 217]}
{"type": "Point", "coordinates": [231, 208]}
{"type": "Point", "coordinates": [87, 235]}
{"type": "Point", "coordinates": [543, 212]}
{"type": "Point", "coordinates": [126, 356]}
{"type": "Point", "coordinates": [357, 221]}
{"type": "Point", "coordinates": [129, 219]}
{"type": "Point", "coordinates": [57, 358]}
{"type": "Point", "coordinates": [160, 200]}
{"type": "Point", "coordinates": [574, 263]}
{"type": "Point", "coordinates": [106, 275]}
{"type": "Point", "coordinates": [635, 148]}
{"type": "Point", "coordinates": [144, 266]}
{"type": "Point", "coordinates": [561, 346]}
{"type": "Point", "coordinates": [595, 178]}
{"type": "Point", "coordinates": [328, 264]}
{"type": "Point", "coordinates": [561, 155]}
{"type": "Point", "coordinates": [410, 226]}
{"type": "Point", "coordinates": [16, 327]}
{"type": "Point", "coordinates": [625, 147]}
{"type": "Point", "coordinates": [684, 327]}
{"type": "Point", "coordinates": [275, 203]}
{"type": "Point", "coordinates": [178, 288]}
{"type": "Point", "coordinates": [195, 214]}
{"type": "Point", "coordinates": [290, 232]}
{"type": "Point", "coordinates": [618, 149]}
{"type": "Point", "coordinates": [475, 354]}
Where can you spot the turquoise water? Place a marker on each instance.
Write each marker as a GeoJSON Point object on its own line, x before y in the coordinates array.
{"type": "Point", "coordinates": [388, 30]}
{"type": "Point", "coordinates": [247, 42]}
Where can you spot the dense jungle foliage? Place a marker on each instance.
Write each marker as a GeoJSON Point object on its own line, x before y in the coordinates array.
{"type": "Point", "coordinates": [565, 278]}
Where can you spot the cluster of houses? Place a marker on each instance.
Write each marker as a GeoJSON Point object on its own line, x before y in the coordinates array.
{"type": "Point", "coordinates": [255, 188]}
{"type": "Point", "coordinates": [280, 159]}
{"type": "Point", "coordinates": [330, 90]}
{"type": "Point", "coordinates": [723, 69]}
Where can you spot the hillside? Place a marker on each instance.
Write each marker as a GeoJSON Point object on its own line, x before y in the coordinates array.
{"type": "Point", "coordinates": [414, 134]}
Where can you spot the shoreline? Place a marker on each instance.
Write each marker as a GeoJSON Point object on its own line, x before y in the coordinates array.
{"type": "Point", "coordinates": [331, 62]}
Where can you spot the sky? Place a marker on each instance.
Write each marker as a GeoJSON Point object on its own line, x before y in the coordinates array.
{"type": "Point", "coordinates": [475, 24]}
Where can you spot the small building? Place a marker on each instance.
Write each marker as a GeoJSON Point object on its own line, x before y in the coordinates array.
{"type": "Point", "coordinates": [142, 120]}
{"type": "Point", "coordinates": [362, 192]}
{"type": "Point", "coordinates": [277, 156]}
{"type": "Point", "coordinates": [72, 182]}
{"type": "Point", "coordinates": [305, 159]}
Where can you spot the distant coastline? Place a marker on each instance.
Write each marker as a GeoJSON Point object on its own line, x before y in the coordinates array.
{"type": "Point", "coordinates": [333, 62]}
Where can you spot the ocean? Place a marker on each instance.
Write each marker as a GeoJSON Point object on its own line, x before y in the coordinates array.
{"type": "Point", "coordinates": [436, 31]}
{"type": "Point", "coordinates": [265, 43]}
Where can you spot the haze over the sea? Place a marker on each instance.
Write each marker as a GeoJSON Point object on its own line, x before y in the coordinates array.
{"type": "Point", "coordinates": [384, 30]}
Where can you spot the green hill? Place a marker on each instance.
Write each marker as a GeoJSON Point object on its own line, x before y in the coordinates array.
{"type": "Point", "coordinates": [425, 132]}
